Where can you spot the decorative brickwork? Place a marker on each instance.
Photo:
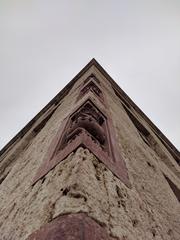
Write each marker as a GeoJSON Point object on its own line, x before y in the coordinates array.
{"type": "Point", "coordinates": [91, 86]}
{"type": "Point", "coordinates": [90, 121]}
{"type": "Point", "coordinates": [92, 77]}
{"type": "Point", "coordinates": [87, 127]}
{"type": "Point", "coordinates": [90, 128]}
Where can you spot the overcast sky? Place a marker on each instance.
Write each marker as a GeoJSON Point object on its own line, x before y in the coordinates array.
{"type": "Point", "coordinates": [45, 43]}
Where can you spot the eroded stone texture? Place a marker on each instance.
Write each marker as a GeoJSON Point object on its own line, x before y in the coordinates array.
{"type": "Point", "coordinates": [81, 183]}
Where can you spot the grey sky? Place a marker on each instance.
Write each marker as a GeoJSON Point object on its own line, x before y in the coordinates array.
{"type": "Point", "coordinates": [45, 43]}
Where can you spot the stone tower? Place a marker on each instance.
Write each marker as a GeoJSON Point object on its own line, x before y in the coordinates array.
{"type": "Point", "coordinates": [90, 166]}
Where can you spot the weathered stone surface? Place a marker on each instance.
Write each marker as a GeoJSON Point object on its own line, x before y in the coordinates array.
{"type": "Point", "coordinates": [80, 183]}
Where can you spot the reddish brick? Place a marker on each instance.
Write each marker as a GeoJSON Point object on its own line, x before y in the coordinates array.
{"type": "Point", "coordinates": [71, 227]}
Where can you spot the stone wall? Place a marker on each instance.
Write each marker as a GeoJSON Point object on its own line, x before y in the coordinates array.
{"type": "Point", "coordinates": [82, 184]}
